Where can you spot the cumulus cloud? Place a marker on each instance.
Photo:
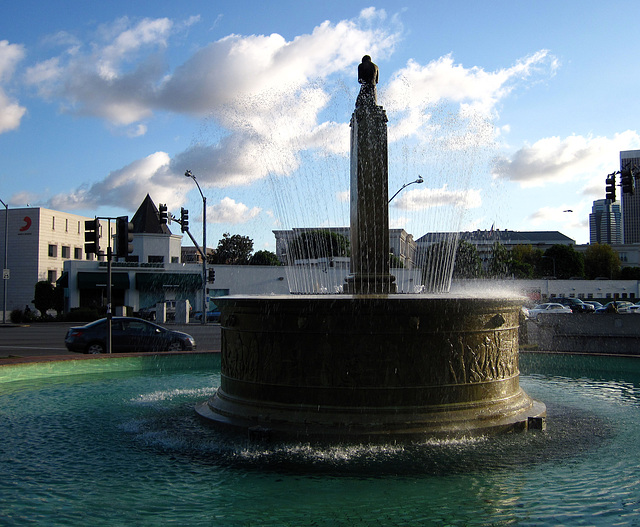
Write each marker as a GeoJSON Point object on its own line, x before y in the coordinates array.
{"type": "Point", "coordinates": [416, 90]}
{"type": "Point", "coordinates": [229, 211]}
{"type": "Point", "coordinates": [11, 112]}
{"type": "Point", "coordinates": [126, 187]}
{"type": "Point", "coordinates": [558, 160]}
{"type": "Point", "coordinates": [265, 96]}
{"type": "Point", "coordinates": [263, 92]}
{"type": "Point", "coordinates": [420, 199]}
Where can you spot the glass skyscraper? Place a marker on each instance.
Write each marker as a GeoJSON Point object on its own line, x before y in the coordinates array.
{"type": "Point", "coordinates": [605, 222]}
{"type": "Point", "coordinates": [630, 202]}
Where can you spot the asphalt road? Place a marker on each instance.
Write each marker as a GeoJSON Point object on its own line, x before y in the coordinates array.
{"type": "Point", "coordinates": [47, 339]}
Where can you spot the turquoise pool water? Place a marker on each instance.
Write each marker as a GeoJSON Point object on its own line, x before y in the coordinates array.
{"type": "Point", "coordinates": [126, 448]}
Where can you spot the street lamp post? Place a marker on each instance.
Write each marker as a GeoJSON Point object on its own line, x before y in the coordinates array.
{"type": "Point", "coordinates": [5, 267]}
{"type": "Point", "coordinates": [204, 246]}
{"type": "Point", "coordinates": [419, 180]}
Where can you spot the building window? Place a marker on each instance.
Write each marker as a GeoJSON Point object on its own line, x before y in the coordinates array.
{"type": "Point", "coordinates": [155, 259]}
{"type": "Point", "coordinates": [78, 227]}
{"type": "Point", "coordinates": [77, 253]}
{"type": "Point", "coordinates": [53, 223]}
{"type": "Point", "coordinates": [51, 275]}
{"type": "Point", "coordinates": [88, 256]}
{"type": "Point", "coordinates": [66, 252]}
{"type": "Point", "coordinates": [175, 259]}
{"type": "Point", "coordinates": [66, 225]}
{"type": "Point", "coordinates": [53, 251]}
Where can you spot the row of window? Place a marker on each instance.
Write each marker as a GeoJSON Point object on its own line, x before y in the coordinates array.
{"type": "Point", "coordinates": [66, 224]}
{"type": "Point", "coordinates": [590, 296]}
{"type": "Point", "coordinates": [65, 252]}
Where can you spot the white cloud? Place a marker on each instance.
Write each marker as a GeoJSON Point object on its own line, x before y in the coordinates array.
{"type": "Point", "coordinates": [127, 187]}
{"type": "Point", "coordinates": [559, 217]}
{"type": "Point", "coordinates": [556, 160]}
{"type": "Point", "coordinates": [229, 211]}
{"type": "Point", "coordinates": [263, 92]}
{"type": "Point", "coordinates": [416, 92]}
{"type": "Point", "coordinates": [11, 112]}
{"type": "Point", "coordinates": [421, 199]}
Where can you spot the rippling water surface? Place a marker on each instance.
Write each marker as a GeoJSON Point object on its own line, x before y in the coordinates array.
{"type": "Point", "coordinates": [125, 449]}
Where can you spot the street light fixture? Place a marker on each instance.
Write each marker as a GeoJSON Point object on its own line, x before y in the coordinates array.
{"type": "Point", "coordinates": [419, 180]}
{"type": "Point", "coordinates": [204, 246]}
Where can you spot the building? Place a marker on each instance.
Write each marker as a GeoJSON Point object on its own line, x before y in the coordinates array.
{"type": "Point", "coordinates": [630, 202]}
{"type": "Point", "coordinates": [39, 242]}
{"type": "Point", "coordinates": [153, 242]}
{"type": "Point", "coordinates": [484, 240]}
{"type": "Point", "coordinates": [153, 273]}
{"type": "Point", "coordinates": [401, 245]}
{"type": "Point", "coordinates": [605, 222]}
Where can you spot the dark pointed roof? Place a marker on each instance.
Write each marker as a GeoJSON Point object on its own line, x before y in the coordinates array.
{"type": "Point", "coordinates": [146, 221]}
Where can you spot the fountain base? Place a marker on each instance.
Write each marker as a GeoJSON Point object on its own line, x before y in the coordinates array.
{"type": "Point", "coordinates": [370, 367]}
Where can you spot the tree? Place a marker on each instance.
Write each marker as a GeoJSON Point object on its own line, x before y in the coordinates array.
{"type": "Point", "coordinates": [321, 243]}
{"type": "Point", "coordinates": [500, 263]}
{"type": "Point", "coordinates": [43, 296]}
{"type": "Point", "coordinates": [264, 258]}
{"type": "Point", "coordinates": [525, 261]}
{"type": "Point", "coordinates": [601, 260]}
{"type": "Point", "coordinates": [566, 261]}
{"type": "Point", "coordinates": [629, 273]}
{"type": "Point", "coordinates": [233, 250]}
{"type": "Point", "coordinates": [467, 263]}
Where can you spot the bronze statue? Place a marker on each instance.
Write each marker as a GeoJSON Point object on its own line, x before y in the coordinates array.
{"type": "Point", "coordinates": [368, 78]}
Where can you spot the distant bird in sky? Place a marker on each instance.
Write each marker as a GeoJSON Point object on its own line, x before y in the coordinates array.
{"type": "Point", "coordinates": [568, 210]}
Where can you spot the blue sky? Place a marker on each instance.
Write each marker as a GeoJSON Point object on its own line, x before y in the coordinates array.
{"type": "Point", "coordinates": [512, 112]}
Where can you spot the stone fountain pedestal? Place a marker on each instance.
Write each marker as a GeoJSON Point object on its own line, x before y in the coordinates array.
{"type": "Point", "coordinates": [370, 367]}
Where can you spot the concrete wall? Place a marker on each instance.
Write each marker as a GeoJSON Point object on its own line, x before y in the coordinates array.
{"type": "Point", "coordinates": [586, 333]}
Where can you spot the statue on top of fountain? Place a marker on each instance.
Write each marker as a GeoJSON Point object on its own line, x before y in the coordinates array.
{"type": "Point", "coordinates": [368, 78]}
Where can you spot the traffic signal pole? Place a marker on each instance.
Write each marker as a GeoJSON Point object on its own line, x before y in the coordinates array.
{"type": "Point", "coordinates": [122, 248]}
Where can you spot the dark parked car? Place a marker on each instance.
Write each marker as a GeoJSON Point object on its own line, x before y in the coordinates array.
{"type": "Point", "coordinates": [576, 305]}
{"type": "Point", "coordinates": [128, 334]}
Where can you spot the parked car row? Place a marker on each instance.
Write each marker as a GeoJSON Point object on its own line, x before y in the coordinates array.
{"type": "Point", "coordinates": [576, 305]}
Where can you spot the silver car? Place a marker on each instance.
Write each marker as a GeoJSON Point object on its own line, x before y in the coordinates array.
{"type": "Point", "coordinates": [549, 307]}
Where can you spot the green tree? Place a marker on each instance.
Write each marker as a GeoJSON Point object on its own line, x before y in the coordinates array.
{"type": "Point", "coordinates": [525, 261]}
{"type": "Point", "coordinates": [500, 262]}
{"type": "Point", "coordinates": [629, 273]}
{"type": "Point", "coordinates": [467, 263]}
{"type": "Point", "coordinates": [264, 258]}
{"type": "Point", "coordinates": [601, 260]}
{"type": "Point", "coordinates": [320, 243]}
{"type": "Point", "coordinates": [566, 261]}
{"type": "Point", "coordinates": [44, 296]}
{"type": "Point", "coordinates": [395, 262]}
{"type": "Point", "coordinates": [233, 250]}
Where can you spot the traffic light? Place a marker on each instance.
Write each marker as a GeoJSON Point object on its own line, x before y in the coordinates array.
{"type": "Point", "coordinates": [92, 236]}
{"type": "Point", "coordinates": [184, 219]}
{"type": "Point", "coordinates": [124, 236]}
{"type": "Point", "coordinates": [628, 182]}
{"type": "Point", "coordinates": [212, 276]}
{"type": "Point", "coordinates": [611, 187]}
{"type": "Point", "coordinates": [162, 213]}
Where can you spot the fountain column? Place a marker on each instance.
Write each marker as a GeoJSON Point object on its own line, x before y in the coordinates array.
{"type": "Point", "coordinates": [369, 194]}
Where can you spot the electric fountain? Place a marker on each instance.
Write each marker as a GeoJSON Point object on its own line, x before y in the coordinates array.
{"type": "Point", "coordinates": [115, 440]}
{"type": "Point", "coordinates": [370, 364]}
